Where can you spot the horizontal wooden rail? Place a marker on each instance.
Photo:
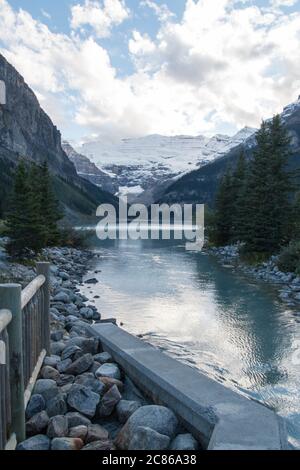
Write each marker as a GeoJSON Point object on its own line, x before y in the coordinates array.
{"type": "Point", "coordinates": [29, 292]}
{"type": "Point", "coordinates": [5, 319]}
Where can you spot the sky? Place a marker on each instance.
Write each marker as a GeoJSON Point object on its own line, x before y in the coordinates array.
{"type": "Point", "coordinates": [111, 69]}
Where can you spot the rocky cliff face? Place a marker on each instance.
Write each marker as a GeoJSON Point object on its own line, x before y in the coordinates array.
{"type": "Point", "coordinates": [27, 132]}
{"type": "Point", "coordinates": [25, 129]}
{"type": "Point", "coordinates": [89, 171]}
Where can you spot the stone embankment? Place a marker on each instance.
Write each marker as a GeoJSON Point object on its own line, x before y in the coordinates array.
{"type": "Point", "coordinates": [287, 284]}
{"type": "Point", "coordinates": [82, 399]}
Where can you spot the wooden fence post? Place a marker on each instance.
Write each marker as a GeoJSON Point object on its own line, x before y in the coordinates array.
{"type": "Point", "coordinates": [10, 299]}
{"type": "Point", "coordinates": [44, 269]}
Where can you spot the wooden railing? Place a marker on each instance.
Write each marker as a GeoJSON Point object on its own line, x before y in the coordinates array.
{"type": "Point", "coordinates": [24, 342]}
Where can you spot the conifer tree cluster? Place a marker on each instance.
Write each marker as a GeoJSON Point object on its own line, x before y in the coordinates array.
{"type": "Point", "coordinates": [254, 204]}
{"type": "Point", "coordinates": [33, 214]}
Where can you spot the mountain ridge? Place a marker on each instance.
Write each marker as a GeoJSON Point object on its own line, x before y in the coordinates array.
{"type": "Point", "coordinates": [28, 133]}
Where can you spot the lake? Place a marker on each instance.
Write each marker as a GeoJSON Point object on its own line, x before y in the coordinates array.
{"type": "Point", "coordinates": [209, 316]}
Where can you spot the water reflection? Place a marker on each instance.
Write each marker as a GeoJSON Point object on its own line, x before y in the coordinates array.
{"type": "Point", "coordinates": [203, 314]}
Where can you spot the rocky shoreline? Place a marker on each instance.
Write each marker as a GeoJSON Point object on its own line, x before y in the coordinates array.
{"type": "Point", "coordinates": [287, 284]}
{"type": "Point", "coordinates": [82, 399]}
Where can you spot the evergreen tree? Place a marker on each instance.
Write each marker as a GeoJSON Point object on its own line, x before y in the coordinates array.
{"type": "Point", "coordinates": [32, 221]}
{"type": "Point", "coordinates": [258, 199]}
{"type": "Point", "coordinates": [223, 211]}
{"type": "Point", "coordinates": [37, 239]}
{"type": "Point", "coordinates": [18, 220]}
{"type": "Point", "coordinates": [280, 185]}
{"type": "Point", "coordinates": [238, 196]}
{"type": "Point", "coordinates": [50, 212]}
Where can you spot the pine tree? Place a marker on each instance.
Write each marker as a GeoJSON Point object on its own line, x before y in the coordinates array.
{"type": "Point", "coordinates": [37, 237]}
{"type": "Point", "coordinates": [17, 221]}
{"type": "Point", "coordinates": [238, 196]}
{"type": "Point", "coordinates": [280, 185]}
{"type": "Point", "coordinates": [223, 211]}
{"type": "Point", "coordinates": [50, 211]}
{"type": "Point", "coordinates": [258, 204]}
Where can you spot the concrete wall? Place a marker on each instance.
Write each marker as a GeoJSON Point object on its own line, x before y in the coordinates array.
{"type": "Point", "coordinates": [218, 417]}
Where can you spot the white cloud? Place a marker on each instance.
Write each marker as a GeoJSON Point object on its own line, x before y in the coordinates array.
{"type": "Point", "coordinates": [162, 11]}
{"type": "Point", "coordinates": [46, 14]}
{"type": "Point", "coordinates": [101, 17]}
{"type": "Point", "coordinates": [283, 3]}
{"type": "Point", "coordinates": [222, 66]}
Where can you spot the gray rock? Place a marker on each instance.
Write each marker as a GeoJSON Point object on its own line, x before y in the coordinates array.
{"type": "Point", "coordinates": [158, 418]}
{"type": "Point", "coordinates": [109, 370]}
{"type": "Point", "coordinates": [56, 406]}
{"type": "Point", "coordinates": [56, 348]}
{"type": "Point", "coordinates": [147, 439]}
{"type": "Point", "coordinates": [36, 404]}
{"type": "Point", "coordinates": [83, 400]}
{"type": "Point", "coordinates": [58, 427]}
{"type": "Point", "coordinates": [64, 276]}
{"type": "Point", "coordinates": [49, 372]}
{"type": "Point", "coordinates": [37, 424]}
{"type": "Point", "coordinates": [79, 431]}
{"type": "Point", "coordinates": [87, 345]}
{"type": "Point", "coordinates": [66, 379]}
{"type": "Point", "coordinates": [62, 297]}
{"type": "Point", "coordinates": [69, 351]}
{"type": "Point", "coordinates": [125, 409]}
{"type": "Point", "coordinates": [57, 335]}
{"type": "Point", "coordinates": [63, 365]}
{"type": "Point", "coordinates": [109, 402]}
{"type": "Point", "coordinates": [95, 432]}
{"type": "Point", "coordinates": [51, 361]}
{"type": "Point", "coordinates": [77, 419]}
{"type": "Point", "coordinates": [46, 387]}
{"type": "Point", "coordinates": [66, 443]}
{"type": "Point", "coordinates": [87, 313]}
{"type": "Point", "coordinates": [91, 281]}
{"type": "Point", "coordinates": [39, 442]}
{"type": "Point", "coordinates": [90, 382]}
{"type": "Point", "coordinates": [99, 445]}
{"type": "Point", "coordinates": [80, 365]}
{"type": "Point", "coordinates": [184, 442]}
{"type": "Point", "coordinates": [103, 358]}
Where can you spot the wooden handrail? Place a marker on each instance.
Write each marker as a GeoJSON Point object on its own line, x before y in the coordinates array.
{"type": "Point", "coordinates": [5, 319]}
{"type": "Point", "coordinates": [31, 290]}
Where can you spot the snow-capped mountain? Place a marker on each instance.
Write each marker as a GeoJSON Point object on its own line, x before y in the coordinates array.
{"type": "Point", "coordinates": [139, 164]}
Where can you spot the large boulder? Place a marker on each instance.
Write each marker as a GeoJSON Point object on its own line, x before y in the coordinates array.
{"type": "Point", "coordinates": [57, 427]}
{"type": "Point", "coordinates": [126, 408]}
{"type": "Point", "coordinates": [184, 442]}
{"type": "Point", "coordinates": [83, 400]}
{"type": "Point", "coordinates": [81, 365]}
{"type": "Point", "coordinates": [46, 387]}
{"type": "Point", "coordinates": [77, 419]}
{"type": "Point", "coordinates": [36, 404]}
{"type": "Point", "coordinates": [56, 406]}
{"type": "Point", "coordinates": [79, 431]}
{"type": "Point", "coordinates": [99, 445]}
{"type": "Point", "coordinates": [157, 418]}
{"type": "Point", "coordinates": [103, 357]}
{"type": "Point", "coordinates": [109, 370]}
{"type": "Point", "coordinates": [66, 443]}
{"type": "Point", "coordinates": [109, 402]}
{"type": "Point", "coordinates": [147, 439]}
{"type": "Point", "coordinates": [96, 432]}
{"type": "Point", "coordinates": [49, 372]}
{"type": "Point", "coordinates": [39, 442]}
{"type": "Point", "coordinates": [37, 424]}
